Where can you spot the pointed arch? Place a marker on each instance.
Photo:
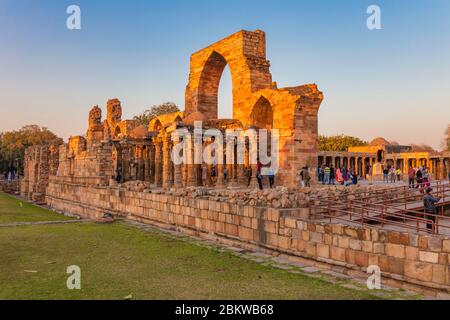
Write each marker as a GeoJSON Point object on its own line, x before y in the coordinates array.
{"type": "Point", "coordinates": [261, 115]}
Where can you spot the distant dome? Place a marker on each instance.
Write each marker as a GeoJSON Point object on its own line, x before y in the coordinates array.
{"type": "Point", "coordinates": [379, 142]}
{"type": "Point", "coordinates": [194, 116]}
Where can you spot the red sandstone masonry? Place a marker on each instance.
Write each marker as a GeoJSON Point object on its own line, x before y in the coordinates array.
{"type": "Point", "coordinates": [417, 259]}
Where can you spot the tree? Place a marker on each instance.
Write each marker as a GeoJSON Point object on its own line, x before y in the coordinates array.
{"type": "Point", "coordinates": [14, 143]}
{"type": "Point", "coordinates": [339, 142]}
{"type": "Point", "coordinates": [447, 139]}
{"type": "Point", "coordinates": [156, 110]}
{"type": "Point", "coordinates": [422, 148]}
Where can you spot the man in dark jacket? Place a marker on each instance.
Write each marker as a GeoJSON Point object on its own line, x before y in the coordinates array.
{"type": "Point", "coordinates": [430, 207]}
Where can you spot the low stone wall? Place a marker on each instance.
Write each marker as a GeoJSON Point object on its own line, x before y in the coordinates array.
{"type": "Point", "coordinates": [407, 257]}
{"type": "Point", "coordinates": [9, 186]}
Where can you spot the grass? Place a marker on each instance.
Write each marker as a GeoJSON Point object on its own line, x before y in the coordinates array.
{"type": "Point", "coordinates": [118, 260]}
{"type": "Point", "coordinates": [13, 210]}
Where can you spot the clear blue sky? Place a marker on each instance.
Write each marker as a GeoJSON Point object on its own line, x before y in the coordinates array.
{"type": "Point", "coordinates": [393, 82]}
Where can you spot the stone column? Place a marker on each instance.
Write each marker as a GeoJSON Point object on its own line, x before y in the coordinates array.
{"type": "Point", "coordinates": [158, 163]}
{"type": "Point", "coordinates": [220, 183]}
{"type": "Point", "coordinates": [178, 167]}
{"type": "Point", "coordinates": [364, 168]}
{"type": "Point", "coordinates": [242, 178]}
{"type": "Point", "coordinates": [441, 169]}
{"type": "Point", "coordinates": [253, 154]}
{"type": "Point", "coordinates": [166, 163]}
{"type": "Point", "coordinates": [230, 159]}
{"type": "Point", "coordinates": [198, 156]}
{"type": "Point", "coordinates": [191, 173]}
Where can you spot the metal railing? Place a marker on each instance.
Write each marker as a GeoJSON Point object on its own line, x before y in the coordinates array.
{"type": "Point", "coordinates": [392, 210]}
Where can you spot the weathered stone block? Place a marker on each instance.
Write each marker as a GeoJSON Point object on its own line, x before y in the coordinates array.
{"type": "Point", "coordinates": [323, 250]}
{"type": "Point", "coordinates": [337, 254]}
{"type": "Point", "coordinates": [419, 270]}
{"type": "Point", "coordinates": [427, 256]}
{"type": "Point", "coordinates": [395, 250]}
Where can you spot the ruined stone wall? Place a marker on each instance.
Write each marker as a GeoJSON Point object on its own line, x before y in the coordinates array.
{"type": "Point", "coordinates": [40, 162]}
{"type": "Point", "coordinates": [89, 164]}
{"type": "Point", "coordinates": [406, 257]}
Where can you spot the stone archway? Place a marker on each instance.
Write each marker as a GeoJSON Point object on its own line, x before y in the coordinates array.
{"type": "Point", "coordinates": [262, 114]}
{"type": "Point", "coordinates": [245, 54]}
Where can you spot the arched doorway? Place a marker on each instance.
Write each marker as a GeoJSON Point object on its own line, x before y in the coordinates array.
{"type": "Point", "coordinates": [261, 115]}
{"type": "Point", "coordinates": [209, 85]}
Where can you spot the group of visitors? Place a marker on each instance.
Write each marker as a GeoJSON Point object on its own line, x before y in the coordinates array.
{"type": "Point", "coordinates": [10, 174]}
{"type": "Point", "coordinates": [392, 174]}
{"type": "Point", "coordinates": [421, 175]}
{"type": "Point", "coordinates": [329, 175]}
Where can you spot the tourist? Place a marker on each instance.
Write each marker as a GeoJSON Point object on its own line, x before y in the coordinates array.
{"type": "Point", "coordinates": [419, 177]}
{"type": "Point", "coordinates": [119, 174]}
{"type": "Point", "coordinates": [392, 174]}
{"type": "Point", "coordinates": [249, 175]}
{"type": "Point", "coordinates": [353, 179]}
{"type": "Point", "coordinates": [302, 178]}
{"type": "Point", "coordinates": [321, 174]}
{"type": "Point", "coordinates": [327, 173]}
{"type": "Point", "coordinates": [426, 178]}
{"type": "Point", "coordinates": [339, 178]}
{"type": "Point", "coordinates": [306, 177]}
{"type": "Point", "coordinates": [399, 174]}
{"type": "Point", "coordinates": [258, 174]}
{"type": "Point", "coordinates": [332, 175]}
{"type": "Point", "coordinates": [345, 174]}
{"type": "Point", "coordinates": [225, 174]}
{"type": "Point", "coordinates": [271, 176]}
{"type": "Point", "coordinates": [386, 175]}
{"type": "Point", "coordinates": [411, 177]}
{"type": "Point", "coordinates": [430, 208]}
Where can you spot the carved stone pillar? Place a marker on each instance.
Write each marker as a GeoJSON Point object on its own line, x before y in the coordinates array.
{"type": "Point", "coordinates": [167, 183]}
{"type": "Point", "coordinates": [230, 159]}
{"type": "Point", "coordinates": [158, 163]}
{"type": "Point", "coordinates": [178, 167]}
{"type": "Point", "coordinates": [220, 183]}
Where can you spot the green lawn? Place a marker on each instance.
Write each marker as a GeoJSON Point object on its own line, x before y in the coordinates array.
{"type": "Point", "coordinates": [118, 260]}
{"type": "Point", "coordinates": [13, 210]}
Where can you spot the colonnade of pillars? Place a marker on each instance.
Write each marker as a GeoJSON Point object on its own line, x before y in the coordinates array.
{"type": "Point", "coordinates": [360, 165]}
{"type": "Point", "coordinates": [439, 167]}
{"type": "Point", "coordinates": [153, 163]}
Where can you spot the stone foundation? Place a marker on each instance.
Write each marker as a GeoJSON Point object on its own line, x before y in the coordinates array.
{"type": "Point", "coordinates": [406, 257]}
{"type": "Point", "coordinates": [9, 186]}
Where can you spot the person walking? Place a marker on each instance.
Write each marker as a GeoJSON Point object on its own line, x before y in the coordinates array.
{"type": "Point", "coordinates": [271, 177]}
{"type": "Point", "coordinates": [339, 178]}
{"type": "Point", "coordinates": [258, 174]}
{"type": "Point", "coordinates": [327, 173]}
{"type": "Point", "coordinates": [429, 203]}
{"type": "Point", "coordinates": [386, 175]}
{"type": "Point", "coordinates": [332, 175]}
{"type": "Point", "coordinates": [306, 177]}
{"type": "Point", "coordinates": [411, 177]}
{"type": "Point", "coordinates": [398, 172]}
{"type": "Point", "coordinates": [426, 178]}
{"type": "Point", "coordinates": [419, 177]}
{"type": "Point", "coordinates": [392, 174]}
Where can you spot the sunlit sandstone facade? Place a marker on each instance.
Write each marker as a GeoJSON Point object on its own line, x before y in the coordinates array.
{"type": "Point", "coordinates": [382, 152]}
{"type": "Point", "coordinates": [116, 150]}
{"type": "Point", "coordinates": [91, 173]}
